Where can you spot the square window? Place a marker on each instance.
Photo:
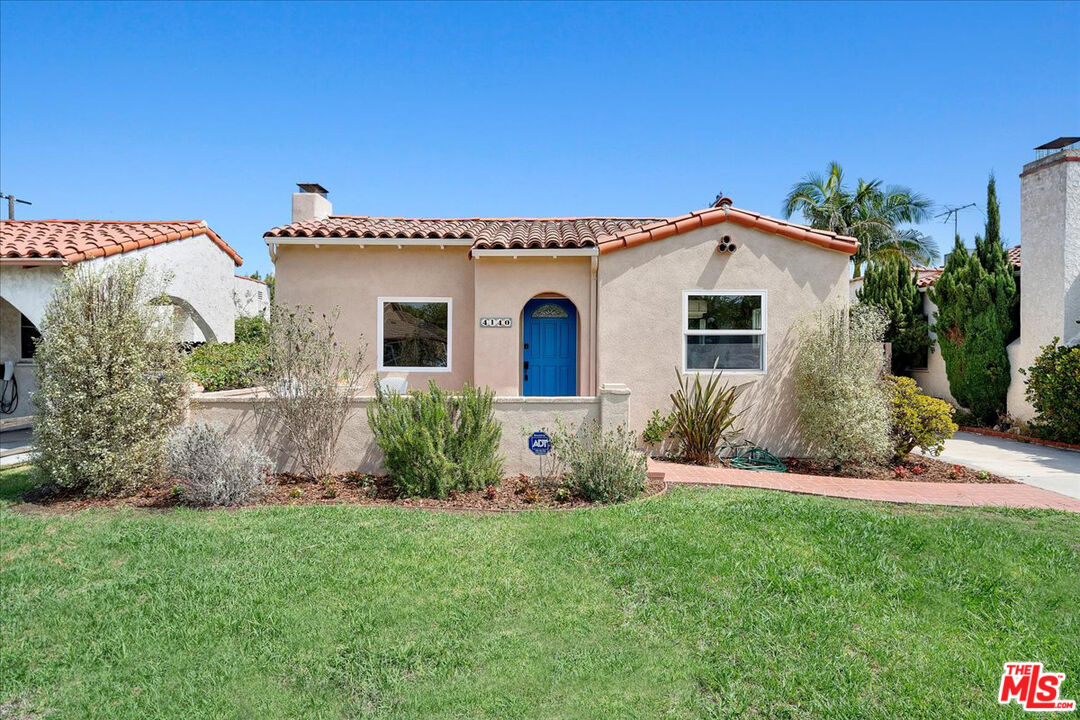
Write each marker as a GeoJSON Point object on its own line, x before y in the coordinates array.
{"type": "Point", "coordinates": [724, 331]}
{"type": "Point", "coordinates": [415, 334]}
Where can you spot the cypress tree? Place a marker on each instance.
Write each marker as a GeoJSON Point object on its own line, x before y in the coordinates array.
{"type": "Point", "coordinates": [975, 296]}
{"type": "Point", "coordinates": [890, 284]}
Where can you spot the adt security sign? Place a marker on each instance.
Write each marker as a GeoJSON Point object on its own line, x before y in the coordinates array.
{"type": "Point", "coordinates": [539, 443]}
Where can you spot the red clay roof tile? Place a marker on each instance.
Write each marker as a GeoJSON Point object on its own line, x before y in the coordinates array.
{"type": "Point", "coordinates": [608, 234]}
{"type": "Point", "coordinates": [76, 240]}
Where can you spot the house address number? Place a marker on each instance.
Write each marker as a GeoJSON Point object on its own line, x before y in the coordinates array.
{"type": "Point", "coordinates": [496, 322]}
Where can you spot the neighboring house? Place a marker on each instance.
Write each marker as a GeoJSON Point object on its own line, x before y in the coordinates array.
{"type": "Point", "coordinates": [558, 307]}
{"type": "Point", "coordinates": [1048, 278]}
{"type": "Point", "coordinates": [251, 297]}
{"type": "Point", "coordinates": [197, 263]}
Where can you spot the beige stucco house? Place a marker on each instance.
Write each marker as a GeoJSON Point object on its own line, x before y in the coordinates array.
{"type": "Point", "coordinates": [551, 308]}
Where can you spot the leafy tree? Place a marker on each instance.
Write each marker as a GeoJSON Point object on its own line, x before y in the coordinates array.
{"type": "Point", "coordinates": [975, 296]}
{"type": "Point", "coordinates": [870, 213]}
{"type": "Point", "coordinates": [890, 284]}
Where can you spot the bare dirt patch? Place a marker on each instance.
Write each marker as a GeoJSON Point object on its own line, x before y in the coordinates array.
{"type": "Point", "coordinates": [511, 495]}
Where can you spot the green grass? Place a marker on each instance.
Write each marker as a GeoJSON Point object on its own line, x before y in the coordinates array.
{"type": "Point", "coordinates": [700, 603]}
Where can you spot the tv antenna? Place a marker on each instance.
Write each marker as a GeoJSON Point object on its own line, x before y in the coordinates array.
{"type": "Point", "coordinates": [954, 213]}
{"type": "Point", "coordinates": [11, 200]}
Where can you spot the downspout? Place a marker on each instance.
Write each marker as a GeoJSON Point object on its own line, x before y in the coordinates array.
{"type": "Point", "coordinates": [594, 332]}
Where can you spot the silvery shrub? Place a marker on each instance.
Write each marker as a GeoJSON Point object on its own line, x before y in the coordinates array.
{"type": "Point", "coordinates": [112, 380]}
{"type": "Point", "coordinates": [216, 469]}
{"type": "Point", "coordinates": [601, 465]}
{"type": "Point", "coordinates": [844, 407]}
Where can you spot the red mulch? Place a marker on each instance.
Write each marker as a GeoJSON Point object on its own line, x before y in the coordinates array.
{"type": "Point", "coordinates": [915, 468]}
{"type": "Point", "coordinates": [512, 494]}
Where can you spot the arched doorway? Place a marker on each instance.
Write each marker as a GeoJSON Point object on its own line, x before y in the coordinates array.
{"type": "Point", "coordinates": [549, 348]}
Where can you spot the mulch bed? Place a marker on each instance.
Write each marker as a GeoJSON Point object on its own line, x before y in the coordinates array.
{"type": "Point", "coordinates": [913, 469]}
{"type": "Point", "coordinates": [511, 495]}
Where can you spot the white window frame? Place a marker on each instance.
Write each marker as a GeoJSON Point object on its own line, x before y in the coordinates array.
{"type": "Point", "coordinates": [381, 309]}
{"type": "Point", "coordinates": [763, 332]}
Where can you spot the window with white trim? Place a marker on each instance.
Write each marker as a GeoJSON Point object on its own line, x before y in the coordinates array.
{"type": "Point", "coordinates": [723, 330]}
{"type": "Point", "coordinates": [415, 334]}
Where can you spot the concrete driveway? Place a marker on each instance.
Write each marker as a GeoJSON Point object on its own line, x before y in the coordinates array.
{"type": "Point", "coordinates": [1044, 467]}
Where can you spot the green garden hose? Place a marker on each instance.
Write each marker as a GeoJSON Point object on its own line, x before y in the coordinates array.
{"type": "Point", "coordinates": [756, 458]}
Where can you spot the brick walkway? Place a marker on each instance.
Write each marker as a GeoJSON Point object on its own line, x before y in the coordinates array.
{"type": "Point", "coordinates": [959, 494]}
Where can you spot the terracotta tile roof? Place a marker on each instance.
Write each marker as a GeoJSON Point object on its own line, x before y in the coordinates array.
{"type": "Point", "coordinates": [485, 233]}
{"type": "Point", "coordinates": [925, 277]}
{"type": "Point", "coordinates": [1014, 256]}
{"type": "Point", "coordinates": [724, 212]}
{"type": "Point", "coordinates": [71, 241]}
{"type": "Point", "coordinates": [608, 234]}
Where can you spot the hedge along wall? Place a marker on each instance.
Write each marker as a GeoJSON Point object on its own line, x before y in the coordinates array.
{"type": "Point", "coordinates": [519, 416]}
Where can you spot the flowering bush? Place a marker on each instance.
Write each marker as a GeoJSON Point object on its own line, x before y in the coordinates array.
{"type": "Point", "coordinates": [918, 419]}
{"type": "Point", "coordinates": [603, 466]}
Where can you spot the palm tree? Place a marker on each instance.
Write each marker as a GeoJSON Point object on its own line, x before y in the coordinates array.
{"type": "Point", "coordinates": [870, 213]}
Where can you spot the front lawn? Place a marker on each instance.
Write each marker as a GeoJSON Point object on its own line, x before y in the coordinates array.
{"type": "Point", "coordinates": [698, 603]}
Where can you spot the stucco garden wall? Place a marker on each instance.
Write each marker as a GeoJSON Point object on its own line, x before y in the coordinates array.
{"type": "Point", "coordinates": [640, 317]}
{"type": "Point", "coordinates": [353, 279]}
{"type": "Point", "coordinates": [518, 416]}
{"type": "Point", "coordinates": [503, 286]}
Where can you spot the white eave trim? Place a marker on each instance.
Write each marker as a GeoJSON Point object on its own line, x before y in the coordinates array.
{"type": "Point", "coordinates": [374, 242]}
{"type": "Point", "coordinates": [536, 252]}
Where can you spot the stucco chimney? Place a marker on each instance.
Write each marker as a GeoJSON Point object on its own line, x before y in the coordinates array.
{"type": "Point", "coordinates": [310, 203]}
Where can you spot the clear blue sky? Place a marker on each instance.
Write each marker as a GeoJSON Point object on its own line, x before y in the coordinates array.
{"type": "Point", "coordinates": [164, 111]}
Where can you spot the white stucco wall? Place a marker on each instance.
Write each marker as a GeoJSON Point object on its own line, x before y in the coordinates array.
{"type": "Point", "coordinates": [200, 279]}
{"type": "Point", "coordinates": [1050, 263]}
{"type": "Point", "coordinates": [640, 318]}
{"type": "Point", "coordinates": [250, 297]}
{"type": "Point", "coordinates": [933, 379]}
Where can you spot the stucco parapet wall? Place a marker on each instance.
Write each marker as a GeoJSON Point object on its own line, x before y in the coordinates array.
{"type": "Point", "coordinates": [1050, 160]}
{"type": "Point", "coordinates": [258, 395]}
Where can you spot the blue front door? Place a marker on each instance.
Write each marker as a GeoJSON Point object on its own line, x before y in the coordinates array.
{"type": "Point", "coordinates": [549, 352]}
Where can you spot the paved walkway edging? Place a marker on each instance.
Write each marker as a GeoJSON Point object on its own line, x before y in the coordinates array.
{"type": "Point", "coordinates": [895, 491]}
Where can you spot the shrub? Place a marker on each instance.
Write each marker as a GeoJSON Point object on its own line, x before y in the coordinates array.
{"type": "Point", "coordinates": [704, 416]}
{"type": "Point", "coordinates": [658, 429]}
{"type": "Point", "coordinates": [308, 385]}
{"type": "Point", "coordinates": [601, 466]}
{"type": "Point", "coordinates": [1053, 389]}
{"type": "Point", "coordinates": [918, 419]}
{"type": "Point", "coordinates": [843, 408]}
{"type": "Point", "coordinates": [228, 366]}
{"type": "Point", "coordinates": [434, 442]}
{"type": "Point", "coordinates": [216, 469]}
{"type": "Point", "coordinates": [254, 330]}
{"type": "Point", "coordinates": [111, 380]}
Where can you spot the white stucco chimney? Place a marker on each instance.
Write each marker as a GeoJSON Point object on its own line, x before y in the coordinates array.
{"type": "Point", "coordinates": [1050, 262]}
{"type": "Point", "coordinates": [310, 203]}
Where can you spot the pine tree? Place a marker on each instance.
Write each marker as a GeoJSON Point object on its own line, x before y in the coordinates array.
{"type": "Point", "coordinates": [890, 284]}
{"type": "Point", "coordinates": [975, 296]}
